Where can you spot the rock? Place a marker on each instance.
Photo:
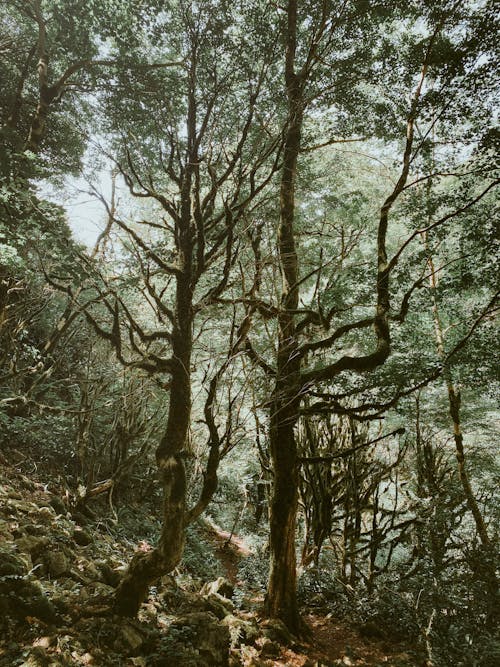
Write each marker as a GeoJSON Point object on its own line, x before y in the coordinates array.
{"type": "Point", "coordinates": [46, 514]}
{"type": "Point", "coordinates": [131, 637]}
{"type": "Point", "coordinates": [27, 483]}
{"type": "Point", "coordinates": [241, 631]}
{"type": "Point", "coordinates": [61, 604]}
{"type": "Point", "coordinates": [269, 649]}
{"type": "Point", "coordinates": [96, 590]}
{"type": "Point", "coordinates": [42, 608]}
{"type": "Point", "coordinates": [173, 597]}
{"type": "Point", "coordinates": [35, 529]}
{"type": "Point", "coordinates": [37, 658]}
{"type": "Point", "coordinates": [109, 575]}
{"type": "Point", "coordinates": [87, 570]}
{"type": "Point", "coordinates": [148, 612]}
{"type": "Point", "coordinates": [57, 563]}
{"type": "Point", "coordinates": [184, 603]}
{"type": "Point", "coordinates": [21, 597]}
{"type": "Point", "coordinates": [45, 642]}
{"type": "Point", "coordinates": [32, 544]}
{"type": "Point", "coordinates": [82, 537]}
{"type": "Point", "coordinates": [220, 586]}
{"type": "Point", "coordinates": [16, 507]}
{"type": "Point", "coordinates": [58, 505]}
{"type": "Point", "coordinates": [277, 631]}
{"type": "Point", "coordinates": [371, 630]}
{"type": "Point", "coordinates": [5, 532]}
{"type": "Point", "coordinates": [210, 638]}
{"type": "Point", "coordinates": [11, 565]}
{"type": "Point", "coordinates": [261, 662]}
{"type": "Point", "coordinates": [79, 518]}
{"type": "Point", "coordinates": [218, 605]}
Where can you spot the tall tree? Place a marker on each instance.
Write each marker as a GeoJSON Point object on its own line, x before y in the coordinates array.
{"type": "Point", "coordinates": [203, 159]}
{"type": "Point", "coordinates": [421, 63]}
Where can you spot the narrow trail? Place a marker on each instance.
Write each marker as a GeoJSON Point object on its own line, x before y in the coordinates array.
{"type": "Point", "coordinates": [333, 642]}
{"type": "Point", "coordinates": [229, 548]}
{"type": "Point", "coordinates": [336, 642]}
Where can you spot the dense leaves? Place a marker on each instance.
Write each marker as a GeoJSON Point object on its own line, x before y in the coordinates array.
{"type": "Point", "coordinates": [292, 299]}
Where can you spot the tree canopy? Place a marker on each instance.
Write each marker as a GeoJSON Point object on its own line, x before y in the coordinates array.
{"type": "Point", "coordinates": [290, 303]}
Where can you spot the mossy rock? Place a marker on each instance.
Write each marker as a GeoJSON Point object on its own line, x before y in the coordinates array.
{"type": "Point", "coordinates": [20, 598]}
{"type": "Point", "coordinates": [82, 537]}
{"type": "Point", "coordinates": [11, 565]}
{"type": "Point", "coordinates": [241, 631]}
{"type": "Point", "coordinates": [210, 638]}
{"type": "Point", "coordinates": [58, 505]}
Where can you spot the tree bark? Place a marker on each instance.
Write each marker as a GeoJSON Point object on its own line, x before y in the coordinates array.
{"type": "Point", "coordinates": [281, 601]}
{"type": "Point", "coordinates": [144, 569]}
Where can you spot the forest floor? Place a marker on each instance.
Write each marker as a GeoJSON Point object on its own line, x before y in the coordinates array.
{"type": "Point", "coordinates": [58, 570]}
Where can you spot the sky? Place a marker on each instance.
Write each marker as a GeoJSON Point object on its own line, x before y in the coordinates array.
{"type": "Point", "coordinates": [86, 214]}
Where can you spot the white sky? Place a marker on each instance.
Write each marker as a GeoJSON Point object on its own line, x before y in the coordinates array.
{"type": "Point", "coordinates": [86, 214]}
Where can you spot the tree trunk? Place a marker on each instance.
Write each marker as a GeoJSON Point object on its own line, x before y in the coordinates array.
{"type": "Point", "coordinates": [144, 569]}
{"type": "Point", "coordinates": [486, 569]}
{"type": "Point", "coordinates": [281, 601]}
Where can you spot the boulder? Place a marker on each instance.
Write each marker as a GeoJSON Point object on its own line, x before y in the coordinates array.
{"type": "Point", "coordinates": [21, 597]}
{"type": "Point", "coordinates": [218, 605]}
{"type": "Point", "coordinates": [79, 518]}
{"type": "Point", "coordinates": [220, 586]}
{"type": "Point", "coordinates": [130, 637]}
{"type": "Point", "coordinates": [206, 635]}
{"type": "Point", "coordinates": [35, 529]}
{"type": "Point", "coordinates": [108, 574]}
{"type": "Point", "coordinates": [58, 505]}
{"type": "Point", "coordinates": [45, 514]}
{"type": "Point", "coordinates": [12, 565]}
{"type": "Point", "coordinates": [57, 563]}
{"type": "Point", "coordinates": [32, 544]}
{"type": "Point", "coordinates": [184, 602]}
{"type": "Point", "coordinates": [82, 537]}
{"type": "Point", "coordinates": [37, 657]}
{"type": "Point", "coordinates": [96, 589]}
{"type": "Point", "coordinates": [241, 631]}
{"type": "Point", "coordinates": [276, 631]}
{"type": "Point", "coordinates": [269, 649]}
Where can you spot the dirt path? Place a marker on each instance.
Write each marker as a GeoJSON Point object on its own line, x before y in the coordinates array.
{"type": "Point", "coordinates": [334, 642]}
{"type": "Point", "coordinates": [229, 549]}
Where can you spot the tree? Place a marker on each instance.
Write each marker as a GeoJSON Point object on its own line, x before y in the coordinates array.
{"type": "Point", "coordinates": [431, 59]}
{"type": "Point", "coordinates": [207, 146]}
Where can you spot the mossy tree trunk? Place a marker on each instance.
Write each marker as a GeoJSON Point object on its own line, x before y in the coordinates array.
{"type": "Point", "coordinates": [281, 599]}
{"type": "Point", "coordinates": [145, 568]}
{"type": "Point", "coordinates": [486, 568]}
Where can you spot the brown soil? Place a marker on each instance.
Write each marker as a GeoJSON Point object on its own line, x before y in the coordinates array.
{"type": "Point", "coordinates": [334, 642]}
{"type": "Point", "coordinates": [228, 548]}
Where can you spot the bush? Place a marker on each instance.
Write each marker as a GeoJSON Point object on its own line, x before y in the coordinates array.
{"type": "Point", "coordinates": [199, 558]}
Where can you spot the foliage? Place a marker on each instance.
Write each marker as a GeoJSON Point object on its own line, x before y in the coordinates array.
{"type": "Point", "coordinates": [392, 213]}
{"type": "Point", "coordinates": [199, 559]}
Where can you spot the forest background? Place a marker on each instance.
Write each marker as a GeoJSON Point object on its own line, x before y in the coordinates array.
{"type": "Point", "coordinates": [287, 320]}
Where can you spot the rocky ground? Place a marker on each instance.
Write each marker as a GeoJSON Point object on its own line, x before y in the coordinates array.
{"type": "Point", "coordinates": [58, 570]}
